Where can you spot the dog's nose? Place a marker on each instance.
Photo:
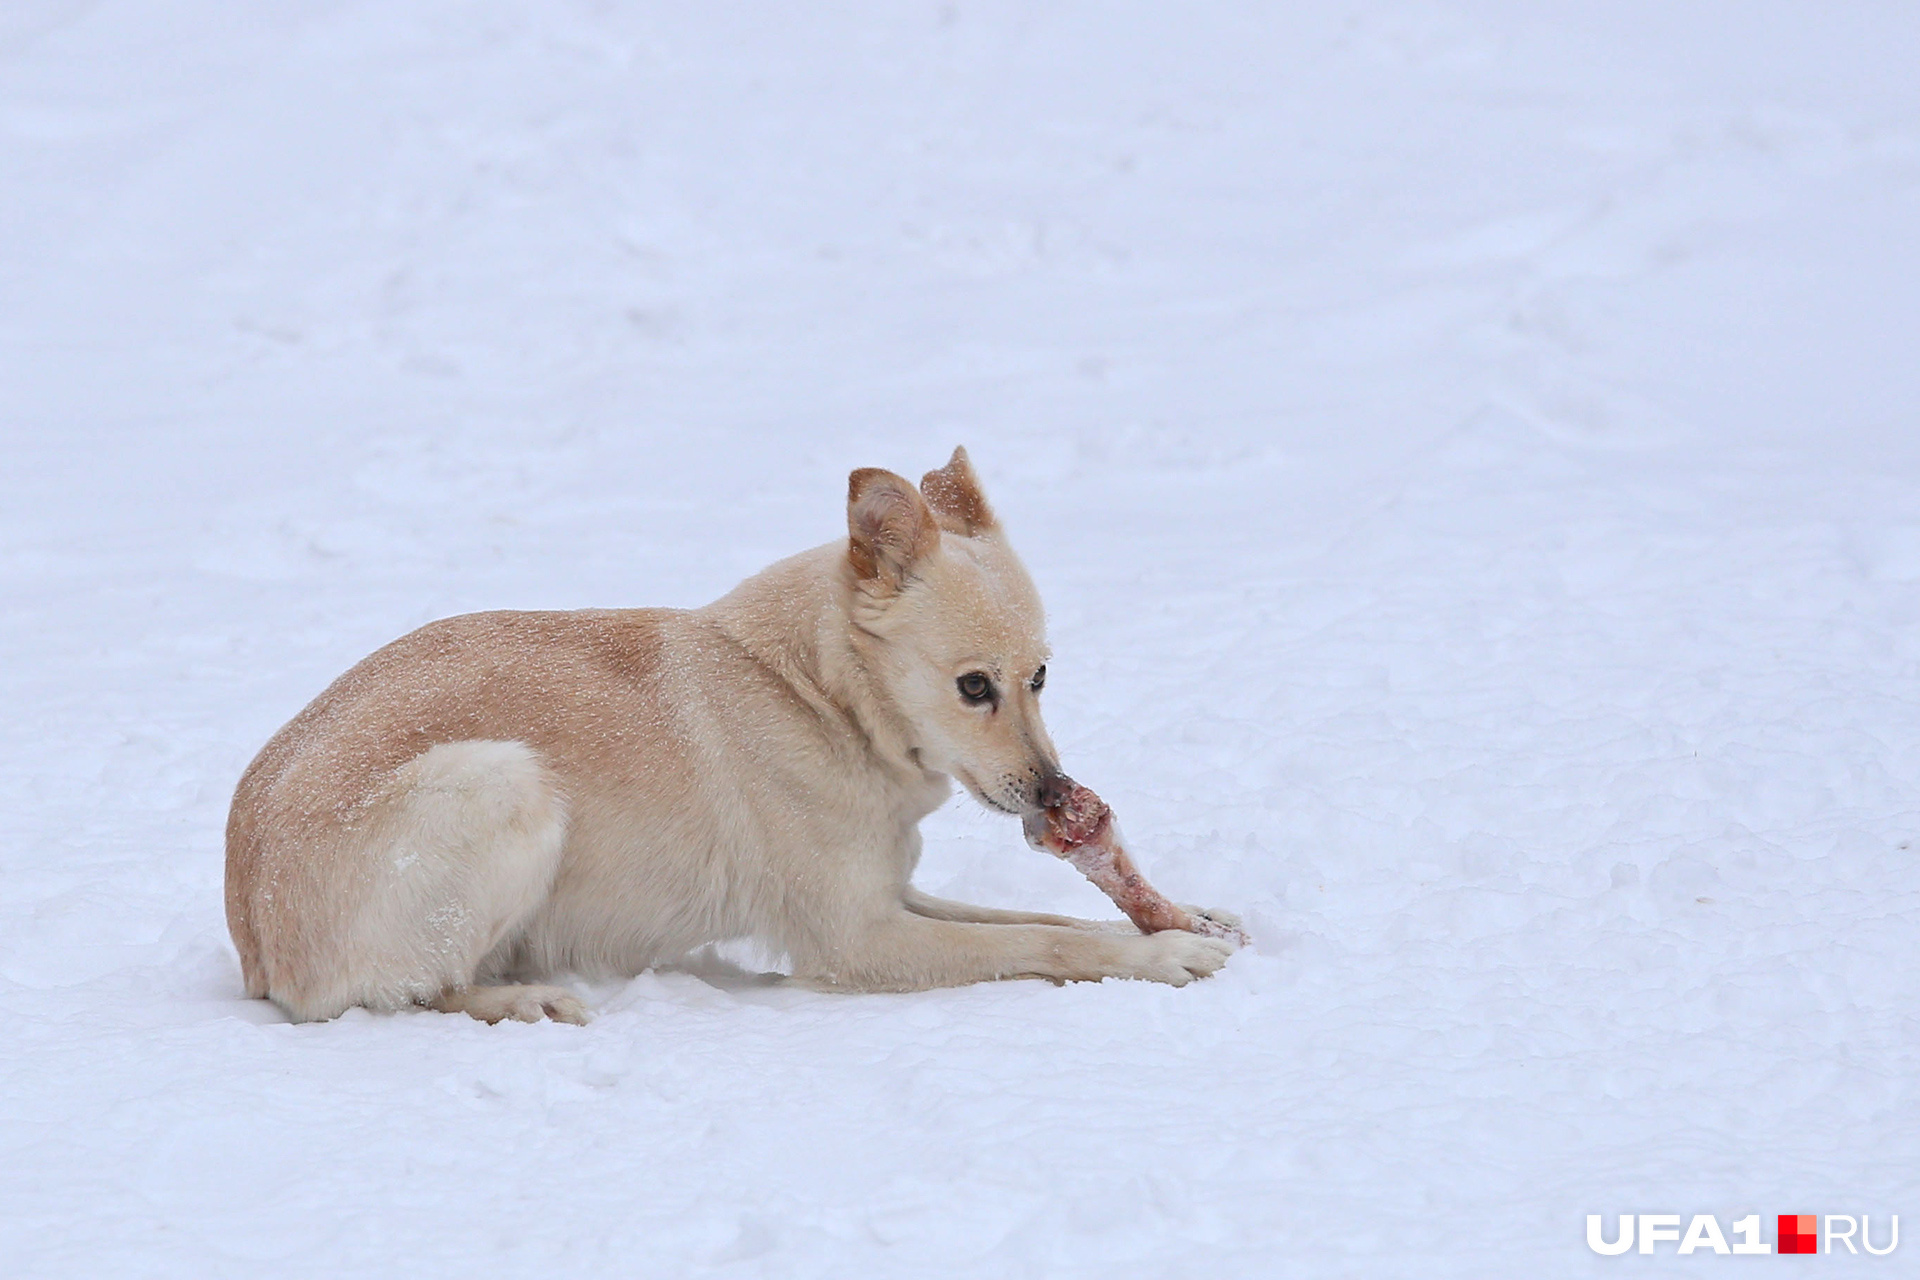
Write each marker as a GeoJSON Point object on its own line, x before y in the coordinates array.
{"type": "Point", "coordinates": [1054, 790]}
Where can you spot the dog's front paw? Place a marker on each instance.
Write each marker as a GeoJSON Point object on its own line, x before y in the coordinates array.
{"type": "Point", "coordinates": [1176, 957]}
{"type": "Point", "coordinates": [1215, 923]}
{"type": "Point", "coordinates": [1225, 919]}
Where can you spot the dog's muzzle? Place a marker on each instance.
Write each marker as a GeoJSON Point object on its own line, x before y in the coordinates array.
{"type": "Point", "coordinates": [1053, 790]}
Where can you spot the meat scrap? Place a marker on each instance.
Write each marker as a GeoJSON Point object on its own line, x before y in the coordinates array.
{"type": "Point", "coordinates": [1081, 830]}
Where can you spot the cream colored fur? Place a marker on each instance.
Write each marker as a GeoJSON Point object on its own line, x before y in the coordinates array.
{"type": "Point", "coordinates": [502, 798]}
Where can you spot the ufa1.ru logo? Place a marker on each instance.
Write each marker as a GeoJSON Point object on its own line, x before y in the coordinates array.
{"type": "Point", "coordinates": [1796, 1233]}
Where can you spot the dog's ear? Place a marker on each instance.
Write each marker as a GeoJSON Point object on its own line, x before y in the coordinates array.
{"type": "Point", "coordinates": [954, 494]}
{"type": "Point", "coordinates": [890, 528]}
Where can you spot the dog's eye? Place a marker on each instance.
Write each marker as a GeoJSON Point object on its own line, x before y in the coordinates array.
{"type": "Point", "coordinates": [976, 687]}
{"type": "Point", "coordinates": [1039, 680]}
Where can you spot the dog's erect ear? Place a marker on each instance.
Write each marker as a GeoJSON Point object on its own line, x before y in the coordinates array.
{"type": "Point", "coordinates": [954, 494]}
{"type": "Point", "coordinates": [889, 527]}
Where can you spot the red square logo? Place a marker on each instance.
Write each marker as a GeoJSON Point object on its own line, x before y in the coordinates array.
{"type": "Point", "coordinates": [1799, 1233]}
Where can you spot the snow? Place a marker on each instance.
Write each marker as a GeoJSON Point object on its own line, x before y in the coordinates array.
{"type": "Point", "coordinates": [1468, 450]}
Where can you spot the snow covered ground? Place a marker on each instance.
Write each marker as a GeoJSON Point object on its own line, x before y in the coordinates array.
{"type": "Point", "coordinates": [1469, 451]}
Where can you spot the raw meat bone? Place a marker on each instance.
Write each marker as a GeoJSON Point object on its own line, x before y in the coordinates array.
{"type": "Point", "coordinates": [1081, 830]}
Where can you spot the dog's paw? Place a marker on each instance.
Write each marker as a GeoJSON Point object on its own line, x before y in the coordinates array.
{"type": "Point", "coordinates": [521, 1003]}
{"type": "Point", "coordinates": [559, 1006]}
{"type": "Point", "coordinates": [1176, 957]}
{"type": "Point", "coordinates": [1226, 919]}
{"type": "Point", "coordinates": [1215, 923]}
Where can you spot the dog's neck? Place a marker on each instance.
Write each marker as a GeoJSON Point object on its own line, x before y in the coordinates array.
{"type": "Point", "coordinates": [795, 618]}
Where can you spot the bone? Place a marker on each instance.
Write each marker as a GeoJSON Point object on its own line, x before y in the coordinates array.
{"type": "Point", "coordinates": [1081, 830]}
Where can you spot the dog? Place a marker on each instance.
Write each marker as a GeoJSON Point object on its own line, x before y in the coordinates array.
{"type": "Point", "coordinates": [498, 799]}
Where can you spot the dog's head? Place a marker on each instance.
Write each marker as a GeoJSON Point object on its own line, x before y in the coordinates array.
{"type": "Point", "coordinates": [955, 634]}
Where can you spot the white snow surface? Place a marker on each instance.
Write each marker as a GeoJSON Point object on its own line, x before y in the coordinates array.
{"type": "Point", "coordinates": [1469, 451]}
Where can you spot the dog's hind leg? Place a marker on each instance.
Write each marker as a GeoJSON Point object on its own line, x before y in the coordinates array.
{"type": "Point", "coordinates": [451, 857]}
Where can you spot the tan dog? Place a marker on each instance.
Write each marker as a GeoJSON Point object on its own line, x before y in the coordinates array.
{"type": "Point", "coordinates": [502, 797]}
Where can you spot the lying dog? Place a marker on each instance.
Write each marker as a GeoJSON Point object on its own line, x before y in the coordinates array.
{"type": "Point", "coordinates": [504, 797]}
